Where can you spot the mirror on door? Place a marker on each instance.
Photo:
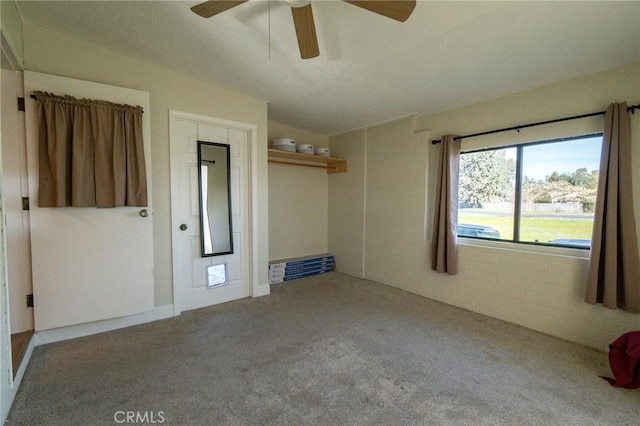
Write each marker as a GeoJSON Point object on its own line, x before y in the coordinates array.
{"type": "Point", "coordinates": [215, 199]}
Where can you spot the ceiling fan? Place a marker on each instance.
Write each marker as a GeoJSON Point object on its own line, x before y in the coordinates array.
{"type": "Point", "coordinates": [399, 10]}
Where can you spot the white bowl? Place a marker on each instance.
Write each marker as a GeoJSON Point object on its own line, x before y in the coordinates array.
{"type": "Point", "coordinates": [323, 152]}
{"type": "Point", "coordinates": [284, 144]}
{"type": "Point", "coordinates": [305, 148]}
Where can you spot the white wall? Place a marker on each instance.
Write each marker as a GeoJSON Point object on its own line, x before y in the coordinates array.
{"type": "Point", "coordinates": [346, 203]}
{"type": "Point", "coordinates": [539, 288]}
{"type": "Point", "coordinates": [50, 52]}
{"type": "Point", "coordinates": [11, 24]}
{"type": "Point", "coordinates": [396, 181]}
{"type": "Point", "coordinates": [298, 200]}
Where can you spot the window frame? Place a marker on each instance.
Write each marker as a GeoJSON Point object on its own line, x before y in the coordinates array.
{"type": "Point", "coordinates": [518, 190]}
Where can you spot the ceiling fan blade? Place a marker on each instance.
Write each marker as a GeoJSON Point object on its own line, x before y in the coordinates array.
{"type": "Point", "coordinates": [213, 7]}
{"type": "Point", "coordinates": [399, 10]}
{"type": "Point", "coordinates": [305, 31]}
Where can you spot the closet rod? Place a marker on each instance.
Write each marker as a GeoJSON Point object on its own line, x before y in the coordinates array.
{"type": "Point", "coordinates": [631, 109]}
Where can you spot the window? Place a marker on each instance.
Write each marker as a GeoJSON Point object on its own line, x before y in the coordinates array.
{"type": "Point", "coordinates": [536, 193]}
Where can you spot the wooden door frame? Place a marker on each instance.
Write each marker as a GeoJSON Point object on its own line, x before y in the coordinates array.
{"type": "Point", "coordinates": [255, 289]}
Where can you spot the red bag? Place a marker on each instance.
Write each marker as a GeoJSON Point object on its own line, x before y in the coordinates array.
{"type": "Point", "coordinates": [624, 359]}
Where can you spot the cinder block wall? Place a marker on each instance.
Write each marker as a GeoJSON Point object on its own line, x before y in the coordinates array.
{"type": "Point", "coordinates": [541, 288]}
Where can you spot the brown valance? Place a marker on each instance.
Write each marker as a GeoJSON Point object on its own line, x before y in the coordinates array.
{"type": "Point", "coordinates": [91, 153]}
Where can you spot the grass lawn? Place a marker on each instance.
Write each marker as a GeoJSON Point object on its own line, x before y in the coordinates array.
{"type": "Point", "coordinates": [534, 229]}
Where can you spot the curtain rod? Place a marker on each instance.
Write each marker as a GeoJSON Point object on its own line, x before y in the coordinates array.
{"type": "Point", "coordinates": [631, 109]}
{"type": "Point", "coordinates": [34, 97]}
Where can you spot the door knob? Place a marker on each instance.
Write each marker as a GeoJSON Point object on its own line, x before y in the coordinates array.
{"type": "Point", "coordinates": [183, 227]}
{"type": "Point", "coordinates": [144, 213]}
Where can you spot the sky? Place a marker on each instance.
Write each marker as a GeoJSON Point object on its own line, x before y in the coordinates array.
{"type": "Point", "coordinates": [543, 159]}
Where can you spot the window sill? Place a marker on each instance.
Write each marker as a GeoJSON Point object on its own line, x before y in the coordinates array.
{"type": "Point", "coordinates": [525, 248]}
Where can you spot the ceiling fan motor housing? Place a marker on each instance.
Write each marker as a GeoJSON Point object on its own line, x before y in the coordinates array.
{"type": "Point", "coordinates": [297, 3]}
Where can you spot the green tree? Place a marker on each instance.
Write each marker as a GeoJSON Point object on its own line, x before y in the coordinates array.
{"type": "Point", "coordinates": [485, 176]}
{"type": "Point", "coordinates": [543, 198]}
{"type": "Point", "coordinates": [577, 187]}
{"type": "Point", "coordinates": [558, 177]}
{"type": "Point", "coordinates": [585, 179]}
{"type": "Point", "coordinates": [581, 177]}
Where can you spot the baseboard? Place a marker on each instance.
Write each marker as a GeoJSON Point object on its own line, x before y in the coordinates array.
{"type": "Point", "coordinates": [64, 333]}
{"type": "Point", "coordinates": [263, 290]}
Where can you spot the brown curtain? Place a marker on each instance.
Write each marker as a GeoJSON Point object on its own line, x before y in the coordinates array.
{"type": "Point", "coordinates": [614, 268]}
{"type": "Point", "coordinates": [91, 153]}
{"type": "Point", "coordinates": [444, 242]}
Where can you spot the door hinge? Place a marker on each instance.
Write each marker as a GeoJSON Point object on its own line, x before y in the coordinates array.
{"type": "Point", "coordinates": [21, 106]}
{"type": "Point", "coordinates": [25, 203]}
{"type": "Point", "coordinates": [29, 300]}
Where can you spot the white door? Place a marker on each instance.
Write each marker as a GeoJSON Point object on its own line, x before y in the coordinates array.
{"type": "Point", "coordinates": [189, 267]}
{"type": "Point", "coordinates": [89, 264]}
{"type": "Point", "coordinates": [14, 188]}
{"type": "Point", "coordinates": [6, 374]}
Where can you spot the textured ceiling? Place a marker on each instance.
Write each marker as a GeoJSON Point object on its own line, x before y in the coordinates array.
{"type": "Point", "coordinates": [370, 69]}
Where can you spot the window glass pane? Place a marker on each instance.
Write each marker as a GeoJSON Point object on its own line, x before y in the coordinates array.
{"type": "Point", "coordinates": [559, 188]}
{"type": "Point", "coordinates": [486, 193]}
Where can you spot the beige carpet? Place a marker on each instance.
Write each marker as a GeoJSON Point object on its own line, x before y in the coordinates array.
{"type": "Point", "coordinates": [329, 350]}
